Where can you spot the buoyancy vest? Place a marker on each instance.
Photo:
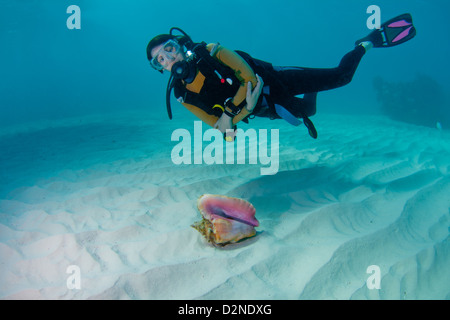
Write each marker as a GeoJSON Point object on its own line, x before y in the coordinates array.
{"type": "Point", "coordinates": [220, 83]}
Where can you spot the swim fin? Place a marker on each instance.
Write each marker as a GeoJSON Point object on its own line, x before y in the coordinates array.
{"type": "Point", "coordinates": [291, 119]}
{"type": "Point", "coordinates": [311, 129]}
{"type": "Point", "coordinates": [392, 33]}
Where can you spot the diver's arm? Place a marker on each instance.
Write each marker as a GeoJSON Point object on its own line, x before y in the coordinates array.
{"type": "Point", "coordinates": [223, 123]}
{"type": "Point", "coordinates": [211, 120]}
{"type": "Point", "coordinates": [253, 94]}
{"type": "Point", "coordinates": [241, 115]}
{"type": "Point", "coordinates": [243, 72]}
{"type": "Point", "coordinates": [252, 97]}
{"type": "Point", "coordinates": [226, 124]}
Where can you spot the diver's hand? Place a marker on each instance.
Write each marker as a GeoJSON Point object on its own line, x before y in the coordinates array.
{"type": "Point", "coordinates": [253, 95]}
{"type": "Point", "coordinates": [225, 125]}
{"type": "Point", "coordinates": [225, 122]}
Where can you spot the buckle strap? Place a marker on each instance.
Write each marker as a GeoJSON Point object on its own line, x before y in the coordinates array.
{"type": "Point", "coordinates": [234, 110]}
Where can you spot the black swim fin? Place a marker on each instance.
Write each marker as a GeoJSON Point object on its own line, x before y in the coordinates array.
{"type": "Point", "coordinates": [291, 119]}
{"type": "Point", "coordinates": [311, 129]}
{"type": "Point", "coordinates": [392, 33]}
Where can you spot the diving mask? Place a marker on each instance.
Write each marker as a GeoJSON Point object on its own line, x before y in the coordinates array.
{"type": "Point", "coordinates": [166, 54]}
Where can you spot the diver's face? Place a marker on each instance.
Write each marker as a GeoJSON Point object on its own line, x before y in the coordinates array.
{"type": "Point", "coordinates": [166, 55]}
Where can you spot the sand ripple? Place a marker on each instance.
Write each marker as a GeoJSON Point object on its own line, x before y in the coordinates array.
{"type": "Point", "coordinates": [374, 193]}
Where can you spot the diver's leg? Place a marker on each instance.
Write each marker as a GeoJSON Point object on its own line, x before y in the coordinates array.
{"type": "Point", "coordinates": [310, 100]}
{"type": "Point", "coordinates": [300, 107]}
{"type": "Point", "coordinates": [296, 80]}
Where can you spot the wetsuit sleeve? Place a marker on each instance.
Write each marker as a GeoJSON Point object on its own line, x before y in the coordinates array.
{"type": "Point", "coordinates": [202, 115]}
{"type": "Point", "coordinates": [243, 72]}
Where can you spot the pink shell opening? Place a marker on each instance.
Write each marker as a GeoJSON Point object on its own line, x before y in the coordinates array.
{"type": "Point", "coordinates": [217, 206]}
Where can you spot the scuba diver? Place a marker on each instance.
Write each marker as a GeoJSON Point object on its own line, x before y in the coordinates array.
{"type": "Point", "coordinates": [223, 87]}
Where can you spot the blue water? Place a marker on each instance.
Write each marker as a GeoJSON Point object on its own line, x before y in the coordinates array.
{"type": "Point", "coordinates": [51, 72]}
{"type": "Point", "coordinates": [86, 176]}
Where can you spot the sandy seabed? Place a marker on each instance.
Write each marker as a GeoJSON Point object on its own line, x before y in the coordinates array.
{"type": "Point", "coordinates": [104, 195]}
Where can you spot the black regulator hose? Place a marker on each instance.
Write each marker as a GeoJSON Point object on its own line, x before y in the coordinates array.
{"type": "Point", "coordinates": [170, 86]}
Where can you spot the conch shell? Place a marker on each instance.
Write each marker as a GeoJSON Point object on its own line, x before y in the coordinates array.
{"type": "Point", "coordinates": [225, 220]}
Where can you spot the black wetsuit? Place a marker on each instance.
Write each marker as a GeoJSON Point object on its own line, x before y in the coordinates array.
{"type": "Point", "coordinates": [283, 84]}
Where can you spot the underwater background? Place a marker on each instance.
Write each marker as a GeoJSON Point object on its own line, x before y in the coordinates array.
{"type": "Point", "coordinates": [51, 72]}
{"type": "Point", "coordinates": [87, 178]}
